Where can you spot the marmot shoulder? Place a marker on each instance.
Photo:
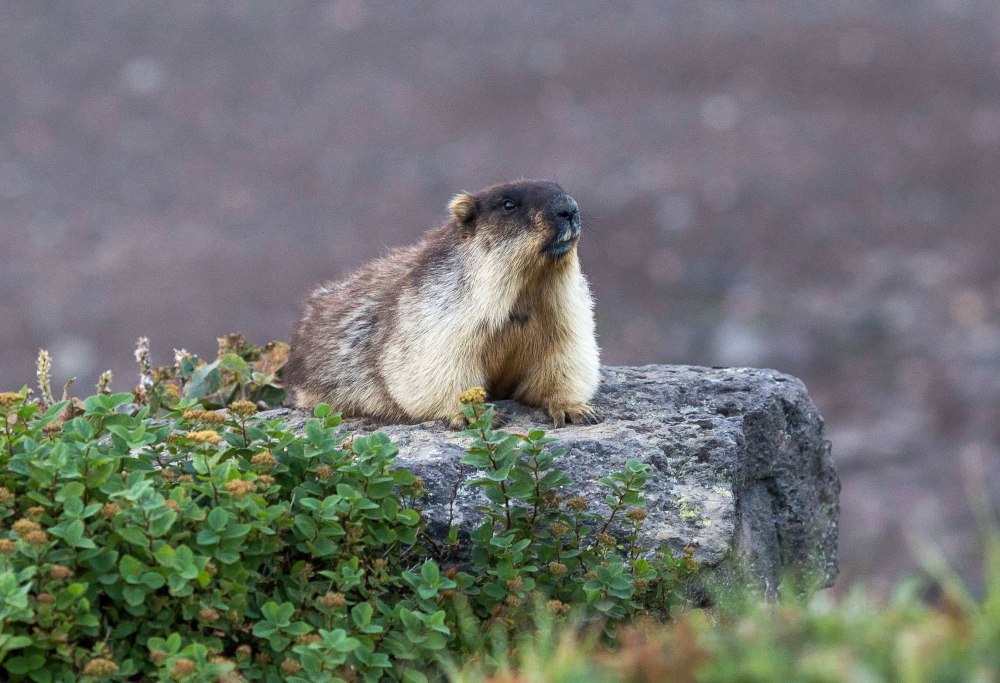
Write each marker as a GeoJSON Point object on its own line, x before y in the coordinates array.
{"type": "Point", "coordinates": [494, 297]}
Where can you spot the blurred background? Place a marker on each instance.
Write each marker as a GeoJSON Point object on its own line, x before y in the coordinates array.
{"type": "Point", "coordinates": [809, 186]}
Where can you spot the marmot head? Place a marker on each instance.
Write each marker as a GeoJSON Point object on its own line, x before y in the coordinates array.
{"type": "Point", "coordinates": [536, 215]}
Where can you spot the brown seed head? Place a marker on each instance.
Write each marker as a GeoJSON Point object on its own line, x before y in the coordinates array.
{"type": "Point", "coordinates": [52, 428]}
{"type": "Point", "coordinates": [515, 584]}
{"type": "Point", "coordinates": [308, 639]}
{"type": "Point", "coordinates": [8, 399]}
{"type": "Point", "coordinates": [557, 607]}
{"type": "Point", "coordinates": [172, 504]}
{"type": "Point", "coordinates": [290, 667]}
{"type": "Point", "coordinates": [182, 667]}
{"type": "Point", "coordinates": [210, 417]}
{"type": "Point", "coordinates": [239, 487]}
{"type": "Point", "coordinates": [324, 472]}
{"type": "Point", "coordinates": [60, 572]}
{"type": "Point", "coordinates": [6, 497]}
{"type": "Point", "coordinates": [559, 528]}
{"type": "Point", "coordinates": [473, 395]}
{"type": "Point", "coordinates": [45, 598]}
{"type": "Point", "coordinates": [36, 537]}
{"type": "Point", "coordinates": [36, 511]}
{"type": "Point", "coordinates": [24, 526]}
{"type": "Point", "coordinates": [243, 408]}
{"type": "Point", "coordinates": [264, 460]}
{"type": "Point", "coordinates": [606, 539]}
{"type": "Point", "coordinates": [204, 436]}
{"type": "Point", "coordinates": [110, 510]}
{"type": "Point", "coordinates": [557, 569]}
{"type": "Point", "coordinates": [265, 480]}
{"type": "Point", "coordinates": [208, 614]}
{"type": "Point", "coordinates": [333, 600]}
{"type": "Point", "coordinates": [100, 666]}
{"type": "Point", "coordinates": [577, 504]}
{"type": "Point", "coordinates": [7, 546]}
{"type": "Point", "coordinates": [636, 514]}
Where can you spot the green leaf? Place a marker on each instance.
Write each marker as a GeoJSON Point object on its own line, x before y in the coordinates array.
{"type": "Point", "coordinates": [205, 380]}
{"type": "Point", "coordinates": [165, 555]}
{"type": "Point", "coordinates": [73, 506]}
{"type": "Point", "coordinates": [15, 642]}
{"type": "Point", "coordinates": [413, 676]}
{"type": "Point", "coordinates": [134, 595]}
{"type": "Point", "coordinates": [306, 526]}
{"type": "Point", "coordinates": [361, 614]}
{"type": "Point", "coordinates": [315, 432]}
{"type": "Point", "coordinates": [153, 580]}
{"type": "Point", "coordinates": [162, 521]}
{"type": "Point", "coordinates": [233, 363]}
{"type": "Point", "coordinates": [74, 532]}
{"type": "Point", "coordinates": [380, 487]}
{"type": "Point", "coordinates": [430, 573]}
{"type": "Point", "coordinates": [217, 518]}
{"type": "Point", "coordinates": [23, 664]}
{"type": "Point", "coordinates": [130, 567]}
{"type": "Point", "coordinates": [403, 477]}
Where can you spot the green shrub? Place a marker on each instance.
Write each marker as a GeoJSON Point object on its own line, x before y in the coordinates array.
{"type": "Point", "coordinates": [195, 545]}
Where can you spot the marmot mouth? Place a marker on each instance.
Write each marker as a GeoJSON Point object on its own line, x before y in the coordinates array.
{"type": "Point", "coordinates": [564, 241]}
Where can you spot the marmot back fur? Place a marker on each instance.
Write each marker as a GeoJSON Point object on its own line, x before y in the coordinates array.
{"type": "Point", "coordinates": [494, 297]}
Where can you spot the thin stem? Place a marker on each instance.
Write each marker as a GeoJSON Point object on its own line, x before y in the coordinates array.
{"type": "Point", "coordinates": [614, 510]}
{"type": "Point", "coordinates": [538, 493]}
{"type": "Point", "coordinates": [503, 484]}
{"type": "Point", "coordinates": [10, 437]}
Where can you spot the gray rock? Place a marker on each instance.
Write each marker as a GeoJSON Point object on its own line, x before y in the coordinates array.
{"type": "Point", "coordinates": [741, 468]}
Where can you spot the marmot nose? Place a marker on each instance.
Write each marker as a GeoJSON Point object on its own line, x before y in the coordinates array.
{"type": "Point", "coordinates": [566, 207]}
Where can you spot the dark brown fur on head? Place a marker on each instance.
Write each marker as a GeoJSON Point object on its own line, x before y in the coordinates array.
{"type": "Point", "coordinates": [538, 209]}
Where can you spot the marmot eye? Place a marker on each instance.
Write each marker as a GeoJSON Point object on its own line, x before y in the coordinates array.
{"type": "Point", "coordinates": [508, 205]}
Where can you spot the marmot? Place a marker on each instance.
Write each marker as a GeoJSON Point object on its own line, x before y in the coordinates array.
{"type": "Point", "coordinates": [494, 297]}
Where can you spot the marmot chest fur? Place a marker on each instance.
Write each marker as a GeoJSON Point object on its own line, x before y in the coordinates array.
{"type": "Point", "coordinates": [494, 297]}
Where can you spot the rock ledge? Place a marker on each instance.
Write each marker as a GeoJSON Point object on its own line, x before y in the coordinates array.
{"type": "Point", "coordinates": [741, 466]}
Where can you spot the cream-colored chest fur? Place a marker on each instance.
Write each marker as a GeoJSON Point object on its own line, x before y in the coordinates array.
{"type": "Point", "coordinates": [527, 337]}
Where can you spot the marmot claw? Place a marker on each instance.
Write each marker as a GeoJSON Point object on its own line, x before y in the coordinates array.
{"type": "Point", "coordinates": [577, 413]}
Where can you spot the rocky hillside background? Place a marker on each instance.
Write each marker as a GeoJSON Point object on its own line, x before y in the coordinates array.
{"type": "Point", "coordinates": [807, 186]}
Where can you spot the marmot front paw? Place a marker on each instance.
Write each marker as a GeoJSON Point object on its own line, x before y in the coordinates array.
{"type": "Point", "coordinates": [458, 422]}
{"type": "Point", "coordinates": [577, 413]}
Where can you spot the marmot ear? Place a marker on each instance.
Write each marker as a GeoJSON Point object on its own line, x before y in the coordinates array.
{"type": "Point", "coordinates": [463, 207]}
